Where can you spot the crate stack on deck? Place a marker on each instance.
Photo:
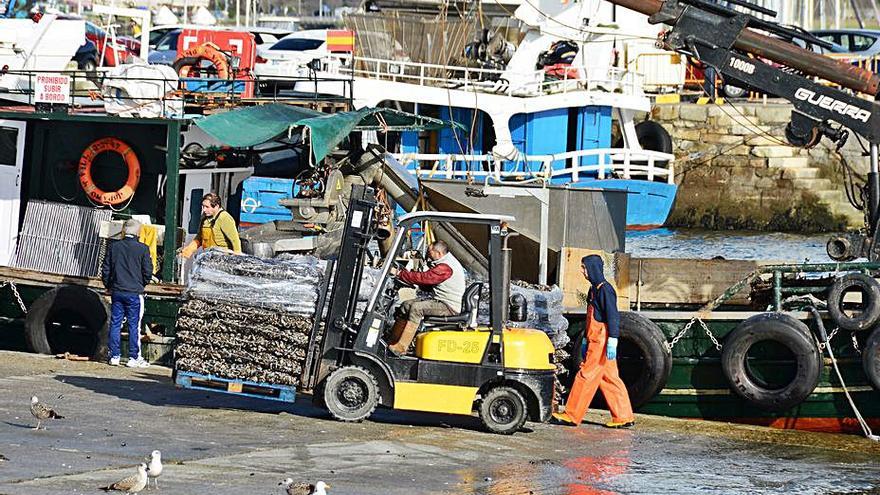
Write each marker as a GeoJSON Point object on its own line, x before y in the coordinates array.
{"type": "Point", "coordinates": [247, 318]}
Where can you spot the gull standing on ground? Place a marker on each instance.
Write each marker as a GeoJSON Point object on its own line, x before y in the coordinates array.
{"type": "Point", "coordinates": [291, 488]}
{"type": "Point", "coordinates": [42, 412]}
{"type": "Point", "coordinates": [133, 484]}
{"type": "Point", "coordinates": [154, 469]}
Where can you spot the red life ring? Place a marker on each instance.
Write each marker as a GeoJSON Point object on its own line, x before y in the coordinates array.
{"type": "Point", "coordinates": [208, 51]}
{"type": "Point", "coordinates": [84, 171]}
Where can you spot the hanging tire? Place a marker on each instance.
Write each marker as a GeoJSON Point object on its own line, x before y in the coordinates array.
{"type": "Point", "coordinates": [746, 376]}
{"type": "Point", "coordinates": [351, 394]}
{"type": "Point", "coordinates": [503, 410]}
{"type": "Point", "coordinates": [871, 359]}
{"type": "Point", "coordinates": [870, 290]}
{"type": "Point", "coordinates": [68, 319]}
{"type": "Point", "coordinates": [652, 136]}
{"type": "Point", "coordinates": [643, 361]}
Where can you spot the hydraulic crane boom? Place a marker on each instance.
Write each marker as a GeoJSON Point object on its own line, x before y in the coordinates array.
{"type": "Point", "coordinates": [725, 39]}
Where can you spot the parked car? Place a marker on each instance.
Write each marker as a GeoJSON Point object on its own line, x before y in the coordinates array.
{"type": "Point", "coordinates": [289, 56]}
{"type": "Point", "coordinates": [862, 42]}
{"type": "Point", "coordinates": [165, 51]}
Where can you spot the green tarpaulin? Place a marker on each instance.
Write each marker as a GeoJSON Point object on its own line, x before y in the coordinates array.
{"type": "Point", "coordinates": [255, 125]}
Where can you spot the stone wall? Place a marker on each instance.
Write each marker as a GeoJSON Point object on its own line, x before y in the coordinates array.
{"type": "Point", "coordinates": [736, 171]}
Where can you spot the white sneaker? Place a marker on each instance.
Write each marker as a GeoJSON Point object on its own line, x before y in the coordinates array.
{"type": "Point", "coordinates": [114, 361]}
{"type": "Point", "coordinates": [138, 363]}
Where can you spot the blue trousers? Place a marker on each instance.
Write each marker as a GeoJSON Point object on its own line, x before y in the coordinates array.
{"type": "Point", "coordinates": [130, 306]}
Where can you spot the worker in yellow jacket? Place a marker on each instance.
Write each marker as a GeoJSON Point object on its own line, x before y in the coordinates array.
{"type": "Point", "coordinates": [217, 229]}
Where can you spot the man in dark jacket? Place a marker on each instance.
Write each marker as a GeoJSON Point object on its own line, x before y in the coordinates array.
{"type": "Point", "coordinates": [126, 272]}
{"type": "Point", "coordinates": [599, 368]}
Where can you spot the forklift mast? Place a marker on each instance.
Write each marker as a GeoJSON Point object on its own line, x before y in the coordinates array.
{"type": "Point", "coordinates": [344, 283]}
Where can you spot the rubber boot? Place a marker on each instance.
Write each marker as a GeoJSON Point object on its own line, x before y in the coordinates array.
{"type": "Point", "coordinates": [396, 331]}
{"type": "Point", "coordinates": [400, 347]}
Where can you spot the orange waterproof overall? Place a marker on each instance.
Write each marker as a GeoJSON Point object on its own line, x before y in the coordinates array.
{"type": "Point", "coordinates": [597, 372]}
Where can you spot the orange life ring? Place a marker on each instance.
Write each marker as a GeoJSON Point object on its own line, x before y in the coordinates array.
{"type": "Point", "coordinates": [206, 51]}
{"type": "Point", "coordinates": [84, 171]}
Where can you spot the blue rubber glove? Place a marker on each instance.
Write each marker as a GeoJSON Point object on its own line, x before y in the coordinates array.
{"type": "Point", "coordinates": [611, 349]}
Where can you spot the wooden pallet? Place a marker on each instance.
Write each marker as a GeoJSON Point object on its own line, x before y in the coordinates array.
{"type": "Point", "coordinates": [269, 391]}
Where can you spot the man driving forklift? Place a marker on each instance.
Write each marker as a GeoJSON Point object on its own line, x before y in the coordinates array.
{"type": "Point", "coordinates": [445, 278]}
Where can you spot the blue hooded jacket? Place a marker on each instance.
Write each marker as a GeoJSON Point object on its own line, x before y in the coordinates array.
{"type": "Point", "coordinates": [604, 298]}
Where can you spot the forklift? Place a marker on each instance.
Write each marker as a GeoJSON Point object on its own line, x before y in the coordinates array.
{"type": "Point", "coordinates": [506, 374]}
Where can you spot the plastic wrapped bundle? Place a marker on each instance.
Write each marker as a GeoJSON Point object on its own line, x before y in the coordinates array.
{"type": "Point", "coordinates": [289, 285]}
{"type": "Point", "coordinates": [544, 311]}
{"type": "Point", "coordinates": [250, 318]}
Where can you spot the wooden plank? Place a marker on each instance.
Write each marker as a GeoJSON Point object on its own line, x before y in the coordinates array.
{"type": "Point", "coordinates": [45, 279]}
{"type": "Point", "coordinates": [686, 281]}
{"type": "Point", "coordinates": [573, 285]}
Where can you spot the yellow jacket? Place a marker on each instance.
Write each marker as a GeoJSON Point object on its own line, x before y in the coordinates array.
{"type": "Point", "coordinates": [217, 231]}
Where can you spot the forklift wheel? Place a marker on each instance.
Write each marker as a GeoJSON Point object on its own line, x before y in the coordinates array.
{"type": "Point", "coordinates": [503, 410]}
{"type": "Point", "coordinates": [351, 394]}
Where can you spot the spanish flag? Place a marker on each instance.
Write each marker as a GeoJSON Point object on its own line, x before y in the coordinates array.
{"type": "Point", "coordinates": [340, 40]}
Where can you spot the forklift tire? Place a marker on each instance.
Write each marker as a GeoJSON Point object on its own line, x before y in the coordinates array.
{"type": "Point", "coordinates": [351, 394]}
{"type": "Point", "coordinates": [503, 410]}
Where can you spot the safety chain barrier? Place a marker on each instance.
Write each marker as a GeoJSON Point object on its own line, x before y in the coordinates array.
{"type": "Point", "coordinates": [670, 345]}
{"type": "Point", "coordinates": [833, 333]}
{"type": "Point", "coordinates": [16, 294]}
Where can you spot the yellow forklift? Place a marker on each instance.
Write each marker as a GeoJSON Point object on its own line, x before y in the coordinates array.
{"type": "Point", "coordinates": [506, 374]}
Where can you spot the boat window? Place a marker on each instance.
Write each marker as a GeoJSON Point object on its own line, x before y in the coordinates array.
{"type": "Point", "coordinates": [8, 143]}
{"type": "Point", "coordinates": [297, 44]}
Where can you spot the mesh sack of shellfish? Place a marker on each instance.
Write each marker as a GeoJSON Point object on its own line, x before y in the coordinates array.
{"type": "Point", "coordinates": [248, 318]}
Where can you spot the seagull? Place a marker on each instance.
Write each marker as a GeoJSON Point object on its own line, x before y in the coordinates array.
{"type": "Point", "coordinates": [291, 488]}
{"type": "Point", "coordinates": [133, 484]}
{"type": "Point", "coordinates": [155, 467]}
{"type": "Point", "coordinates": [42, 412]}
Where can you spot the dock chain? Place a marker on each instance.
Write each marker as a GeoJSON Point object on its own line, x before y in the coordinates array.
{"type": "Point", "coordinates": [670, 345]}
{"type": "Point", "coordinates": [16, 294]}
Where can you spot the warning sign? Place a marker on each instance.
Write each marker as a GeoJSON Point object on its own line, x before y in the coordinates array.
{"type": "Point", "coordinates": [52, 88]}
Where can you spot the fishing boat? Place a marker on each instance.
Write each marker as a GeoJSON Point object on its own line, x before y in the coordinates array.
{"type": "Point", "coordinates": [536, 99]}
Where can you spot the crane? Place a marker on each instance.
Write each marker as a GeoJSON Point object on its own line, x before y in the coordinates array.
{"type": "Point", "coordinates": [742, 46]}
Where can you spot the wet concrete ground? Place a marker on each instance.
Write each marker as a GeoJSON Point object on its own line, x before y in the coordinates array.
{"type": "Point", "coordinates": [218, 444]}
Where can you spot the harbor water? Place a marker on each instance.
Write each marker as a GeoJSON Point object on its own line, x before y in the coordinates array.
{"type": "Point", "coordinates": [731, 245]}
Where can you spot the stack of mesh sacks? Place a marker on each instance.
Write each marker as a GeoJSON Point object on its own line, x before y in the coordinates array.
{"type": "Point", "coordinates": [248, 318]}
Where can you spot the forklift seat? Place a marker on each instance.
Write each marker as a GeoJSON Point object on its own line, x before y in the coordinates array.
{"type": "Point", "coordinates": [470, 302]}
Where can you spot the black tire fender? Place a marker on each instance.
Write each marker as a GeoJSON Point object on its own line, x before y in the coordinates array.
{"type": "Point", "coordinates": [870, 291]}
{"type": "Point", "coordinates": [786, 331]}
{"type": "Point", "coordinates": [69, 298]}
{"type": "Point", "coordinates": [652, 136]}
{"type": "Point", "coordinates": [871, 358]}
{"type": "Point", "coordinates": [648, 373]}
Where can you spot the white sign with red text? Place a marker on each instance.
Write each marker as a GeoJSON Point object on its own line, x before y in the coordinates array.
{"type": "Point", "coordinates": [52, 88]}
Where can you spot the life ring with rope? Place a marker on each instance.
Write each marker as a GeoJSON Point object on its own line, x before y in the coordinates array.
{"type": "Point", "coordinates": [84, 171]}
{"type": "Point", "coordinates": [190, 59]}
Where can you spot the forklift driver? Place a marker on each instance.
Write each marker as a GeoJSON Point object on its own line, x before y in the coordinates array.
{"type": "Point", "coordinates": [445, 278]}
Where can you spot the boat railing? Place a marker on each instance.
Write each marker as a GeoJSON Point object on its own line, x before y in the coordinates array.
{"type": "Point", "coordinates": [84, 87]}
{"type": "Point", "coordinates": [530, 83]}
{"type": "Point", "coordinates": [601, 163]}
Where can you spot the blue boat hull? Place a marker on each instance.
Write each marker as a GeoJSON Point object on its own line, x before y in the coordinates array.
{"type": "Point", "coordinates": [648, 203]}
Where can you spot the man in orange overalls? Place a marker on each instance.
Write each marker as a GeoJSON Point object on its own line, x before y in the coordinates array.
{"type": "Point", "coordinates": [599, 369]}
